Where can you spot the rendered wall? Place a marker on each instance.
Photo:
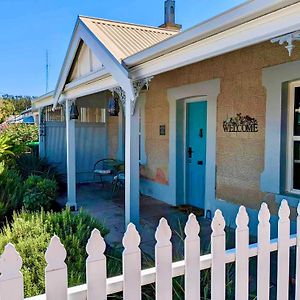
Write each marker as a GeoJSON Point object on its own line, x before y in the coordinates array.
{"type": "Point", "coordinates": [112, 136]}
{"type": "Point", "coordinates": [240, 156]}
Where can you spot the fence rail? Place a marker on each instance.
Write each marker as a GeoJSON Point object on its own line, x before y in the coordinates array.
{"type": "Point", "coordinates": [98, 286]}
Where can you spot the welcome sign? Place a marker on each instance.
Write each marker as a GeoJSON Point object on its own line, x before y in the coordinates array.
{"type": "Point", "coordinates": [240, 123]}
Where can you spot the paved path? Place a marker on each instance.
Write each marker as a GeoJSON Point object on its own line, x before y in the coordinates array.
{"type": "Point", "coordinates": [109, 209]}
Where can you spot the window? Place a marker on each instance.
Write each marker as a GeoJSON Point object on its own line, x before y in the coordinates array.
{"type": "Point", "coordinates": [58, 115]}
{"type": "Point", "coordinates": [293, 151]}
{"type": "Point", "coordinates": [86, 114]}
{"type": "Point", "coordinates": [92, 115]}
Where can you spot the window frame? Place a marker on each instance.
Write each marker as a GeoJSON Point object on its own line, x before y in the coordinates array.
{"type": "Point", "coordinates": [291, 138]}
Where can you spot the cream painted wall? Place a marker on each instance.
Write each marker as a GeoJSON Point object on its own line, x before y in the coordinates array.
{"type": "Point", "coordinates": [240, 156]}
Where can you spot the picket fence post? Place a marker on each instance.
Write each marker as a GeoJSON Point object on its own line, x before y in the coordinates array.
{"type": "Point", "coordinates": [56, 276]}
{"type": "Point", "coordinates": [163, 261]}
{"type": "Point", "coordinates": [56, 279]}
{"type": "Point", "coordinates": [297, 293]}
{"type": "Point", "coordinates": [242, 255]}
{"type": "Point", "coordinates": [263, 253]}
{"type": "Point", "coordinates": [96, 267]}
{"type": "Point", "coordinates": [192, 259]}
{"type": "Point", "coordinates": [283, 261]}
{"type": "Point", "coordinates": [11, 279]}
{"type": "Point", "coordinates": [131, 264]}
{"type": "Point", "coordinates": [218, 257]}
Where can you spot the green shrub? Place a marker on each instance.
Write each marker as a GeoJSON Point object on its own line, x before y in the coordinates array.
{"type": "Point", "coordinates": [6, 148]}
{"type": "Point", "coordinates": [28, 164]}
{"type": "Point", "coordinates": [11, 192]}
{"type": "Point", "coordinates": [22, 133]}
{"type": "Point", "coordinates": [39, 193]}
{"type": "Point", "coordinates": [31, 233]}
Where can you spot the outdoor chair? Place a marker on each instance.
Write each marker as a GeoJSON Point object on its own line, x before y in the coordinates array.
{"type": "Point", "coordinates": [106, 167]}
{"type": "Point", "coordinates": [119, 179]}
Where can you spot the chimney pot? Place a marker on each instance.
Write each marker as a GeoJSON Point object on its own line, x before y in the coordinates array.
{"type": "Point", "coordinates": [170, 16]}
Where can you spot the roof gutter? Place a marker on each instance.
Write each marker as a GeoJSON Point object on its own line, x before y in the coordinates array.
{"type": "Point", "coordinates": [236, 16]}
{"type": "Point", "coordinates": [252, 32]}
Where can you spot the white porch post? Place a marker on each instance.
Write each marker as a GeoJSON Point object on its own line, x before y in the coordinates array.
{"type": "Point", "coordinates": [71, 157]}
{"type": "Point", "coordinates": [132, 171]}
{"type": "Point", "coordinates": [128, 95]}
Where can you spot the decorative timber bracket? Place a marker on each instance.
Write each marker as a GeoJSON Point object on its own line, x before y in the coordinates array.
{"type": "Point", "coordinates": [288, 40]}
{"type": "Point", "coordinates": [137, 88]}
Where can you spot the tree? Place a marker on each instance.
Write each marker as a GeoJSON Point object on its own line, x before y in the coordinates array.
{"type": "Point", "coordinates": [13, 105]}
{"type": "Point", "coordinates": [7, 109]}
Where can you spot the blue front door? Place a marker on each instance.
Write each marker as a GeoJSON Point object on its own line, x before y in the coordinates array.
{"type": "Point", "coordinates": [196, 120]}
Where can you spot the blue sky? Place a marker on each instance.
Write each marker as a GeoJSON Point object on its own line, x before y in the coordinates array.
{"type": "Point", "coordinates": [30, 27]}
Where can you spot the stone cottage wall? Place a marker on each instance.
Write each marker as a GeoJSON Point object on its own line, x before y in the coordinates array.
{"type": "Point", "coordinates": [240, 156]}
{"type": "Point", "coordinates": [112, 136]}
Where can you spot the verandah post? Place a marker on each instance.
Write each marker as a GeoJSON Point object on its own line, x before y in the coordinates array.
{"type": "Point", "coordinates": [71, 157]}
{"type": "Point", "coordinates": [132, 171]}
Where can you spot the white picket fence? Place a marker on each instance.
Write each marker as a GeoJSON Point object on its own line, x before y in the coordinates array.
{"type": "Point", "coordinates": [98, 286]}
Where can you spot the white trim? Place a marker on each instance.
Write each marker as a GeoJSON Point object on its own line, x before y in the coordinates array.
{"type": "Point", "coordinates": [111, 64]}
{"type": "Point", "coordinates": [40, 103]}
{"type": "Point", "coordinates": [272, 79]}
{"type": "Point", "coordinates": [89, 88]}
{"type": "Point", "coordinates": [229, 19]}
{"type": "Point", "coordinates": [210, 90]}
{"type": "Point", "coordinates": [86, 78]}
{"type": "Point", "coordinates": [214, 37]}
{"type": "Point", "coordinates": [83, 87]}
{"type": "Point", "coordinates": [70, 55]}
{"type": "Point", "coordinates": [255, 31]}
{"type": "Point", "coordinates": [291, 138]}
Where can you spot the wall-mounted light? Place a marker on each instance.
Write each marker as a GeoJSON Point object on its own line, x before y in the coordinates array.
{"type": "Point", "coordinates": [74, 114]}
{"type": "Point", "coordinates": [113, 107]}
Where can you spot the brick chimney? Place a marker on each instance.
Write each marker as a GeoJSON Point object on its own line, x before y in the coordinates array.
{"type": "Point", "coordinates": [170, 22]}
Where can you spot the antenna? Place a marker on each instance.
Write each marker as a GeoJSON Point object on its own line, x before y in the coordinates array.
{"type": "Point", "coordinates": [47, 70]}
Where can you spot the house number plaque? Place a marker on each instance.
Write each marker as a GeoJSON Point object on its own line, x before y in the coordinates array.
{"type": "Point", "coordinates": [240, 123]}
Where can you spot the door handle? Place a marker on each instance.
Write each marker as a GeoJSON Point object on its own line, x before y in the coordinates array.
{"type": "Point", "coordinates": [201, 133]}
{"type": "Point", "coordinates": [190, 152]}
